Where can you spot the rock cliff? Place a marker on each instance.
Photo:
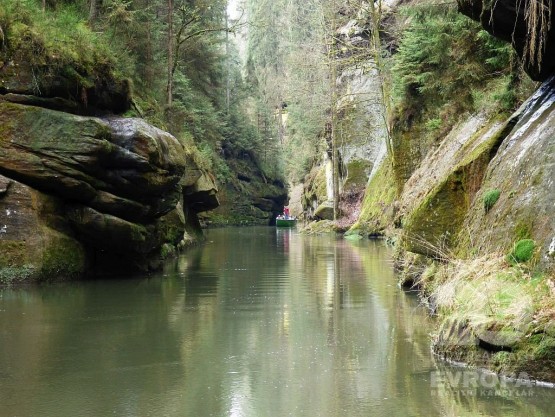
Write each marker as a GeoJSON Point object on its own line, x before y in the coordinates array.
{"type": "Point", "coordinates": [82, 194]}
{"type": "Point", "coordinates": [471, 210]}
{"type": "Point", "coordinates": [83, 191]}
{"type": "Point", "coordinates": [360, 129]}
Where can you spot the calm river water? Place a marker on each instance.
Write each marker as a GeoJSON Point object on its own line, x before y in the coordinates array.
{"type": "Point", "coordinates": [257, 322]}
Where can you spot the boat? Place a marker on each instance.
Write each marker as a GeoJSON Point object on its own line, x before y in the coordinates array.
{"type": "Point", "coordinates": [283, 221]}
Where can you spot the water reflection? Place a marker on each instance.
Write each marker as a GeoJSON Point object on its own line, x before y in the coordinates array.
{"type": "Point", "coordinates": [257, 322]}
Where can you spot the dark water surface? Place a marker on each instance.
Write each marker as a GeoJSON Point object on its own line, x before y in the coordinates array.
{"type": "Point", "coordinates": [258, 322]}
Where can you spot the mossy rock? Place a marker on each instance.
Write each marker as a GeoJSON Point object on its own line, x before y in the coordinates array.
{"type": "Point", "coordinates": [432, 226]}
{"type": "Point", "coordinates": [63, 258]}
{"type": "Point", "coordinates": [435, 215]}
{"type": "Point", "coordinates": [352, 237]}
{"type": "Point", "coordinates": [12, 253]}
{"type": "Point", "coordinates": [324, 211]}
{"type": "Point", "coordinates": [377, 210]}
{"type": "Point", "coordinates": [522, 172]}
{"type": "Point", "coordinates": [58, 257]}
{"type": "Point", "coordinates": [357, 175]}
{"type": "Point", "coordinates": [320, 227]}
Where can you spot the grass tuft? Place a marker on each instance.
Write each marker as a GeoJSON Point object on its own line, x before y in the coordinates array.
{"type": "Point", "coordinates": [523, 250]}
{"type": "Point", "coordinates": [490, 198]}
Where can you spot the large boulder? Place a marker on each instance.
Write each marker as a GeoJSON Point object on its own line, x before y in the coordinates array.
{"type": "Point", "coordinates": [324, 211]}
{"type": "Point", "coordinates": [202, 195]}
{"type": "Point", "coordinates": [81, 194]}
{"type": "Point", "coordinates": [436, 198]}
{"type": "Point", "coordinates": [122, 167]}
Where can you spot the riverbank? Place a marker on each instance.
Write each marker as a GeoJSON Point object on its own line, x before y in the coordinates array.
{"type": "Point", "coordinates": [494, 312]}
{"type": "Point", "coordinates": [491, 313]}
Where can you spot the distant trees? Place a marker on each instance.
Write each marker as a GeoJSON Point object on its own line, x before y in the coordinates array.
{"type": "Point", "coordinates": [287, 64]}
{"type": "Point", "coordinates": [296, 55]}
{"type": "Point", "coordinates": [186, 76]}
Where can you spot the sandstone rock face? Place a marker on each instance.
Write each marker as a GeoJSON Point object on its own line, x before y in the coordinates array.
{"type": "Point", "coordinates": [523, 171]}
{"type": "Point", "coordinates": [107, 191]}
{"type": "Point", "coordinates": [361, 123]}
{"type": "Point", "coordinates": [117, 166]}
{"type": "Point", "coordinates": [507, 19]}
{"type": "Point", "coordinates": [202, 195]}
{"type": "Point", "coordinates": [35, 238]}
{"type": "Point", "coordinates": [442, 206]}
{"type": "Point", "coordinates": [437, 196]}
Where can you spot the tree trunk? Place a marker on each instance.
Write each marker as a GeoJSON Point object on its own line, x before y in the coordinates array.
{"type": "Point", "coordinates": [169, 88]}
{"type": "Point", "coordinates": [385, 87]}
{"type": "Point", "coordinates": [93, 10]}
{"type": "Point", "coordinates": [148, 70]}
{"type": "Point", "coordinates": [227, 71]}
{"type": "Point", "coordinates": [335, 150]}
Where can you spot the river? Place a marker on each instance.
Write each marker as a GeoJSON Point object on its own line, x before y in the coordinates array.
{"type": "Point", "coordinates": [256, 322]}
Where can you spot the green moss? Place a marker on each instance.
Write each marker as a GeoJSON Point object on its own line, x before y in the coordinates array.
{"type": "Point", "coordinates": [490, 198]}
{"type": "Point", "coordinates": [352, 236]}
{"type": "Point", "coordinates": [12, 253]}
{"type": "Point", "coordinates": [377, 206]}
{"type": "Point", "coordinates": [357, 174]}
{"type": "Point", "coordinates": [432, 226]}
{"type": "Point", "coordinates": [167, 251]}
{"type": "Point", "coordinates": [63, 258]}
{"type": "Point", "coordinates": [542, 346]}
{"type": "Point", "coordinates": [19, 274]}
{"type": "Point", "coordinates": [523, 230]}
{"type": "Point", "coordinates": [320, 227]}
{"type": "Point", "coordinates": [57, 49]}
{"type": "Point", "coordinates": [523, 250]}
{"type": "Point", "coordinates": [501, 359]}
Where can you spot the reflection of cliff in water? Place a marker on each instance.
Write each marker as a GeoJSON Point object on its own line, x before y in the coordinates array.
{"type": "Point", "coordinates": [255, 322]}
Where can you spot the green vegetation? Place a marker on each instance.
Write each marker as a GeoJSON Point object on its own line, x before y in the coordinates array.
{"type": "Point", "coordinates": [186, 77]}
{"type": "Point", "coordinates": [490, 198]}
{"type": "Point", "coordinates": [522, 251]}
{"type": "Point", "coordinates": [56, 42]}
{"type": "Point", "coordinates": [289, 78]}
{"type": "Point", "coordinates": [377, 206]}
{"type": "Point", "coordinates": [446, 67]}
{"type": "Point", "coordinates": [16, 274]}
{"type": "Point", "coordinates": [445, 57]}
{"type": "Point", "coordinates": [506, 307]}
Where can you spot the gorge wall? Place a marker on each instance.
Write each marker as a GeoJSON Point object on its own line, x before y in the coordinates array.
{"type": "Point", "coordinates": [84, 191]}
{"type": "Point", "coordinates": [470, 207]}
{"type": "Point", "coordinates": [360, 130]}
